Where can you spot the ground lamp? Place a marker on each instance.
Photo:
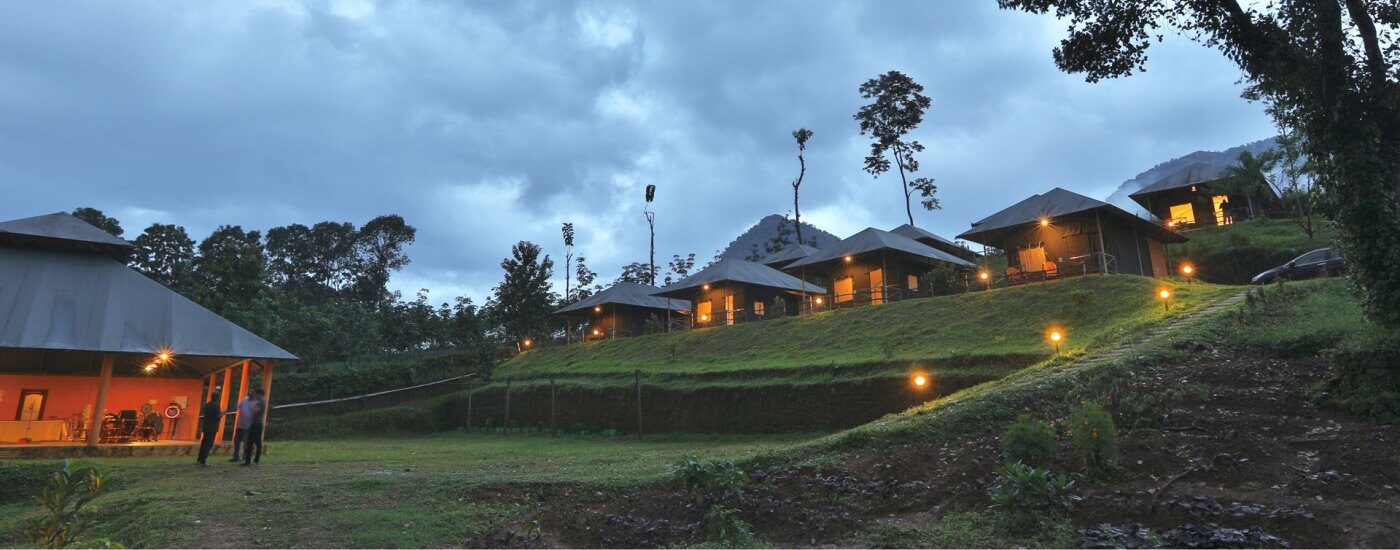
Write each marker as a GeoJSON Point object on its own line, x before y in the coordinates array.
{"type": "Point", "coordinates": [1188, 271]}
{"type": "Point", "coordinates": [1055, 336]}
{"type": "Point", "coordinates": [526, 342]}
{"type": "Point", "coordinates": [920, 381]}
{"type": "Point", "coordinates": [985, 277]}
{"type": "Point", "coordinates": [1166, 297]}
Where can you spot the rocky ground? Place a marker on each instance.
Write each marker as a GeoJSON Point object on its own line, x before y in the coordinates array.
{"type": "Point", "coordinates": [1223, 449]}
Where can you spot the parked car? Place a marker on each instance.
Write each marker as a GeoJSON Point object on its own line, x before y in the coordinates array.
{"type": "Point", "coordinates": [1319, 262]}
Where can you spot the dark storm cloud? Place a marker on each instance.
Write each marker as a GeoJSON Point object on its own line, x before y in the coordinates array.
{"type": "Point", "coordinates": [484, 124]}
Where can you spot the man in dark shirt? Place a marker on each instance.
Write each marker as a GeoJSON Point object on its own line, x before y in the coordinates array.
{"type": "Point", "coordinates": [209, 419]}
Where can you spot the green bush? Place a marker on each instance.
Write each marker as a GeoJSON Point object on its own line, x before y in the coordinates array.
{"type": "Point", "coordinates": [1024, 498]}
{"type": "Point", "coordinates": [22, 481]}
{"type": "Point", "coordinates": [1094, 437]}
{"type": "Point", "coordinates": [63, 519]}
{"type": "Point", "coordinates": [1030, 442]}
{"type": "Point", "coordinates": [709, 481]}
{"type": "Point", "coordinates": [724, 527]}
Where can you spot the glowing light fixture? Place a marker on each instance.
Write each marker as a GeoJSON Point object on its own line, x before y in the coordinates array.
{"type": "Point", "coordinates": [1056, 336]}
{"type": "Point", "coordinates": [1187, 269]}
{"type": "Point", "coordinates": [164, 356]}
{"type": "Point", "coordinates": [596, 332]}
{"type": "Point", "coordinates": [1166, 296]}
{"type": "Point", "coordinates": [985, 276]}
{"type": "Point", "coordinates": [1044, 222]}
{"type": "Point", "coordinates": [705, 286]}
{"type": "Point", "coordinates": [597, 309]}
{"type": "Point", "coordinates": [527, 342]}
{"type": "Point", "coordinates": [149, 368]}
{"type": "Point", "coordinates": [849, 259]}
{"type": "Point", "coordinates": [920, 381]}
{"type": "Point", "coordinates": [704, 318]}
{"type": "Point", "coordinates": [819, 300]}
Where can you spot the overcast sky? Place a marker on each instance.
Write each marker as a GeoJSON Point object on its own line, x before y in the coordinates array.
{"type": "Point", "coordinates": [488, 123]}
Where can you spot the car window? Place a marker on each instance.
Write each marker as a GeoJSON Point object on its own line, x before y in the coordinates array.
{"type": "Point", "coordinates": [1312, 257]}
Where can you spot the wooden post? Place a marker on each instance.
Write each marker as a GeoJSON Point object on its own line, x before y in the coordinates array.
{"type": "Point", "coordinates": [637, 381]}
{"type": "Point", "coordinates": [505, 425]}
{"type": "Point", "coordinates": [1103, 246]}
{"type": "Point", "coordinates": [223, 402]}
{"type": "Point", "coordinates": [242, 390]}
{"type": "Point", "coordinates": [266, 390]}
{"type": "Point", "coordinates": [99, 409]}
{"type": "Point", "coordinates": [552, 431]}
{"type": "Point", "coordinates": [469, 405]}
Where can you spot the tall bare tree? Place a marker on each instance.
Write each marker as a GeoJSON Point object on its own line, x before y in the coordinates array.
{"type": "Point", "coordinates": [801, 135]}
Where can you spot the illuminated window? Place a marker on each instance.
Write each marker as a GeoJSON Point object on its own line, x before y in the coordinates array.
{"type": "Point", "coordinates": [758, 308]}
{"type": "Point", "coordinates": [845, 289]}
{"type": "Point", "coordinates": [702, 311]}
{"type": "Point", "coordinates": [913, 283]}
{"type": "Point", "coordinates": [1032, 259]}
{"type": "Point", "coordinates": [1182, 214]}
{"type": "Point", "coordinates": [1220, 203]}
{"type": "Point", "coordinates": [877, 286]}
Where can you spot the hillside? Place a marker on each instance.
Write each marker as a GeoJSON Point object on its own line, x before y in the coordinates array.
{"type": "Point", "coordinates": [1001, 323]}
{"type": "Point", "coordinates": [1233, 254]}
{"type": "Point", "coordinates": [766, 229]}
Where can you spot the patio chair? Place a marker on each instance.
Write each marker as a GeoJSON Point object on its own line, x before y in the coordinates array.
{"type": "Point", "coordinates": [1052, 271]}
{"type": "Point", "coordinates": [1015, 276]}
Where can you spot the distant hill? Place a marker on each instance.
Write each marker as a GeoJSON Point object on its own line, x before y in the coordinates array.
{"type": "Point", "coordinates": [765, 230]}
{"type": "Point", "coordinates": [1156, 173]}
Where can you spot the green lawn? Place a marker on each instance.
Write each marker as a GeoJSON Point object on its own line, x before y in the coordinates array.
{"type": "Point", "coordinates": [429, 491]}
{"type": "Point", "coordinates": [1002, 323]}
{"type": "Point", "coordinates": [1232, 254]}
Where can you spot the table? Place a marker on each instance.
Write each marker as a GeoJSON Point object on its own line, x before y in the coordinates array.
{"type": "Point", "coordinates": [36, 430]}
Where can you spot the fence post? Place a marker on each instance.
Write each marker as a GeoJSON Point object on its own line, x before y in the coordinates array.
{"type": "Point", "coordinates": [469, 406]}
{"type": "Point", "coordinates": [552, 430]}
{"type": "Point", "coordinates": [505, 426]}
{"type": "Point", "coordinates": [637, 381]}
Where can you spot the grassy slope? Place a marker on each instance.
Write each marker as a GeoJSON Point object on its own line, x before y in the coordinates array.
{"type": "Point", "coordinates": [430, 491]}
{"type": "Point", "coordinates": [1001, 323]}
{"type": "Point", "coordinates": [1235, 253]}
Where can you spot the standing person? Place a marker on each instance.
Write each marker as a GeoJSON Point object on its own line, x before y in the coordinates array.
{"type": "Point", "coordinates": [209, 419]}
{"type": "Point", "coordinates": [240, 430]}
{"type": "Point", "coordinates": [253, 435]}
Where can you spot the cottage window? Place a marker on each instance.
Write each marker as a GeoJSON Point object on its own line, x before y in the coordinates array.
{"type": "Point", "coordinates": [703, 312]}
{"type": "Point", "coordinates": [913, 283]}
{"type": "Point", "coordinates": [758, 309]}
{"type": "Point", "coordinates": [1183, 214]}
{"type": "Point", "coordinates": [845, 289]}
{"type": "Point", "coordinates": [877, 286]}
{"type": "Point", "coordinates": [1221, 216]}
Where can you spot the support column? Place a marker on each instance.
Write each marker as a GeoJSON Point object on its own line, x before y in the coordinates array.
{"type": "Point", "coordinates": [223, 403]}
{"type": "Point", "coordinates": [242, 389]}
{"type": "Point", "coordinates": [99, 409]}
{"type": "Point", "coordinates": [267, 394]}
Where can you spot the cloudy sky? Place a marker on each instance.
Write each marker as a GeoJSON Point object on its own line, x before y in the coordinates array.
{"type": "Point", "coordinates": [486, 123]}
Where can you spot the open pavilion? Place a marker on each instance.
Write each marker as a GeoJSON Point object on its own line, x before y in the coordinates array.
{"type": "Point", "coordinates": [96, 358]}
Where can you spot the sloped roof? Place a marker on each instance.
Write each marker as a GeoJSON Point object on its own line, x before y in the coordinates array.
{"type": "Point", "coordinates": [1199, 172]}
{"type": "Point", "coordinates": [61, 229]}
{"type": "Point", "coordinates": [627, 294]}
{"type": "Point", "coordinates": [1053, 203]}
{"type": "Point", "coordinates": [62, 300]}
{"type": "Point", "coordinates": [873, 240]}
{"type": "Point", "coordinates": [919, 234]}
{"type": "Point", "coordinates": [740, 271]}
{"type": "Point", "coordinates": [789, 255]}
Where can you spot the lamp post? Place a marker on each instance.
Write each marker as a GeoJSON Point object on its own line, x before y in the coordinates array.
{"type": "Point", "coordinates": [920, 381]}
{"type": "Point", "coordinates": [986, 277]}
{"type": "Point", "coordinates": [1166, 297]}
{"type": "Point", "coordinates": [1055, 336]}
{"type": "Point", "coordinates": [1188, 271]}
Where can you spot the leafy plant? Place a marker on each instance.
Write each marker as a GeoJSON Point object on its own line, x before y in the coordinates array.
{"type": "Point", "coordinates": [1024, 497]}
{"type": "Point", "coordinates": [63, 519]}
{"type": "Point", "coordinates": [709, 481]}
{"type": "Point", "coordinates": [724, 526]}
{"type": "Point", "coordinates": [1029, 441]}
{"type": "Point", "coordinates": [1094, 437]}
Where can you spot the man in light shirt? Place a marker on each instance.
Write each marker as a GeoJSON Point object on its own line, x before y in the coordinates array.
{"type": "Point", "coordinates": [240, 429]}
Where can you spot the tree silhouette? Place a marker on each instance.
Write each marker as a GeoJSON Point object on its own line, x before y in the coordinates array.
{"type": "Point", "coordinates": [897, 108]}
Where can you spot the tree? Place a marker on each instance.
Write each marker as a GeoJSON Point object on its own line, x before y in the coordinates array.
{"type": "Point", "coordinates": [897, 109]}
{"type": "Point", "coordinates": [584, 277]}
{"type": "Point", "coordinates": [165, 253]}
{"type": "Point", "coordinates": [231, 271]}
{"type": "Point", "coordinates": [522, 303]}
{"type": "Point", "coordinates": [312, 263]}
{"type": "Point", "coordinates": [99, 220]}
{"type": "Point", "coordinates": [1325, 70]}
{"type": "Point", "coordinates": [379, 250]}
{"type": "Point", "coordinates": [1247, 177]}
{"type": "Point", "coordinates": [782, 238]}
{"type": "Point", "coordinates": [801, 135]}
{"type": "Point", "coordinates": [1296, 187]}
{"type": "Point", "coordinates": [568, 231]}
{"type": "Point", "coordinates": [754, 254]}
{"type": "Point", "coordinates": [680, 268]}
{"type": "Point", "coordinates": [636, 272]}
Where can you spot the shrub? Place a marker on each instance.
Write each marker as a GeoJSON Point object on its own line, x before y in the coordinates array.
{"type": "Point", "coordinates": [21, 481]}
{"type": "Point", "coordinates": [1029, 441]}
{"type": "Point", "coordinates": [944, 280]}
{"type": "Point", "coordinates": [63, 520]}
{"type": "Point", "coordinates": [1095, 438]}
{"type": "Point", "coordinates": [1025, 497]}
{"type": "Point", "coordinates": [709, 481]}
{"type": "Point", "coordinates": [777, 309]}
{"type": "Point", "coordinates": [724, 526]}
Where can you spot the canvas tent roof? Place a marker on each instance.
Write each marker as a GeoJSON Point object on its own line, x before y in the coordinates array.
{"type": "Point", "coordinates": [789, 255]}
{"type": "Point", "coordinates": [62, 301]}
{"type": "Point", "coordinates": [627, 294]}
{"type": "Point", "coordinates": [62, 230]}
{"type": "Point", "coordinates": [917, 233]}
{"type": "Point", "coordinates": [1199, 172]}
{"type": "Point", "coordinates": [740, 271]}
{"type": "Point", "coordinates": [873, 240]}
{"type": "Point", "coordinates": [1054, 203]}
